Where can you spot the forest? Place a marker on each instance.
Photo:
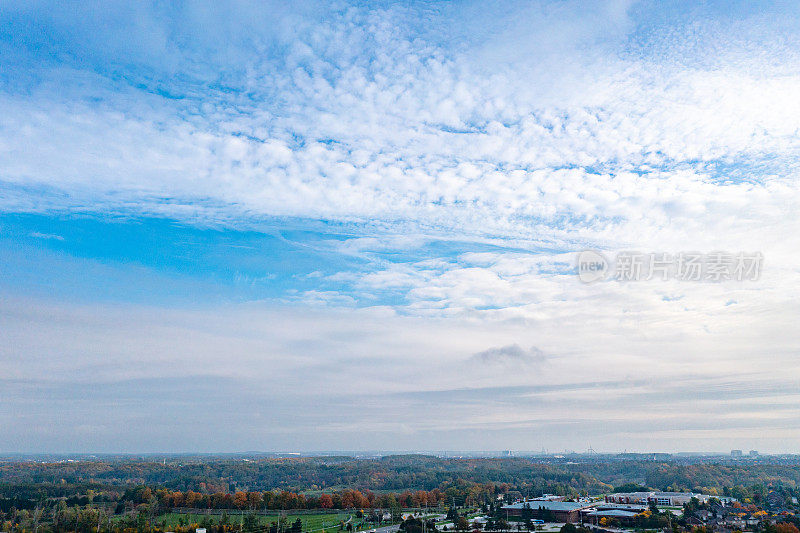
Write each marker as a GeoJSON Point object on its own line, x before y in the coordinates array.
{"type": "Point", "coordinates": [343, 482]}
{"type": "Point", "coordinates": [225, 494]}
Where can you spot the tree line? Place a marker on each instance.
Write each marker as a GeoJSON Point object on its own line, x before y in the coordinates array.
{"type": "Point", "coordinates": [287, 500]}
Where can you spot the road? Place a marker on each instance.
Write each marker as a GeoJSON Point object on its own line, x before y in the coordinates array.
{"type": "Point", "coordinates": [396, 527]}
{"type": "Point", "coordinates": [388, 529]}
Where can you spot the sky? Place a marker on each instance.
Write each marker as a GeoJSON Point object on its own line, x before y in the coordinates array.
{"type": "Point", "coordinates": [230, 225]}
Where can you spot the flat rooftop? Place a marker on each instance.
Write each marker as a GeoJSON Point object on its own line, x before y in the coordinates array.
{"type": "Point", "coordinates": [550, 505]}
{"type": "Point", "coordinates": [617, 513]}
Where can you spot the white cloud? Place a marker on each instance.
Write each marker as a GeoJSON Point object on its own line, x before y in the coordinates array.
{"type": "Point", "coordinates": [49, 236]}
{"type": "Point", "coordinates": [317, 375]}
{"type": "Point", "coordinates": [602, 145]}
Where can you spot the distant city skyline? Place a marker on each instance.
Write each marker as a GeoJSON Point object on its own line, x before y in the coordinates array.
{"type": "Point", "coordinates": [230, 226]}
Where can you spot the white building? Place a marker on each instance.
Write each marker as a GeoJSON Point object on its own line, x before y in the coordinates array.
{"type": "Point", "coordinates": [674, 499]}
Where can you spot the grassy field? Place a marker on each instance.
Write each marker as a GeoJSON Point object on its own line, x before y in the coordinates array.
{"type": "Point", "coordinates": [311, 522]}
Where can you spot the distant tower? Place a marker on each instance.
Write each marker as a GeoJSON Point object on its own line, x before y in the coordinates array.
{"type": "Point", "coordinates": [736, 454]}
{"type": "Point", "coordinates": [753, 453]}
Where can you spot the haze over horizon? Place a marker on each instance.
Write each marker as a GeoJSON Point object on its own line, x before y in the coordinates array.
{"type": "Point", "coordinates": [366, 453]}
{"type": "Point", "coordinates": [232, 226]}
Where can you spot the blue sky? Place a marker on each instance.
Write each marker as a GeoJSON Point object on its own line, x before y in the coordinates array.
{"type": "Point", "coordinates": [312, 222]}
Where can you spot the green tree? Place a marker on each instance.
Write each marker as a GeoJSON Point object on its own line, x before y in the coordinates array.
{"type": "Point", "coordinates": [250, 522]}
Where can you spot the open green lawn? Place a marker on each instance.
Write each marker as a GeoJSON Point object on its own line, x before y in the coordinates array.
{"type": "Point", "coordinates": [312, 523]}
